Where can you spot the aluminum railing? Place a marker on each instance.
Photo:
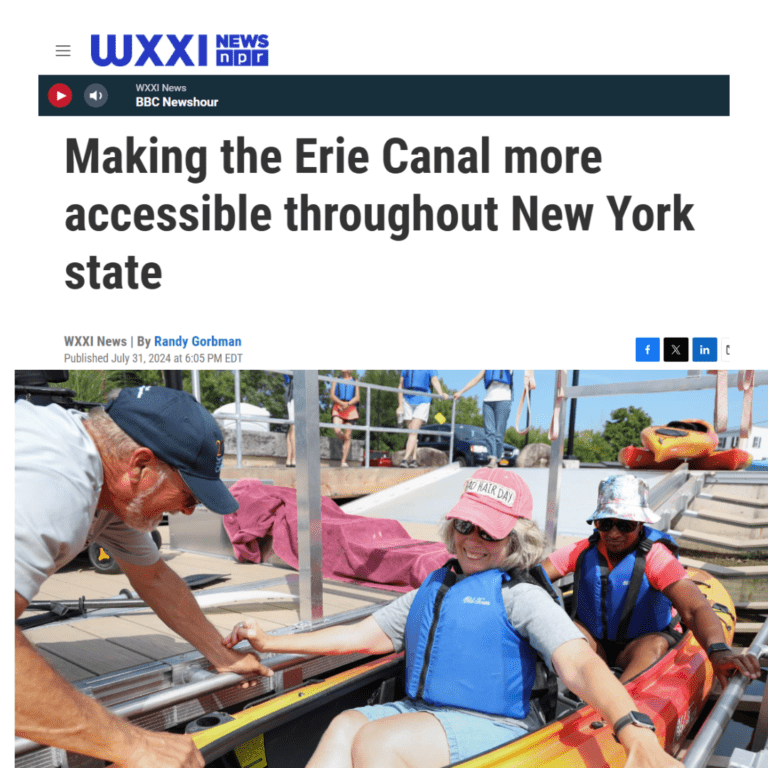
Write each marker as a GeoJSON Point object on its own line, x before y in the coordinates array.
{"type": "Point", "coordinates": [693, 382]}
{"type": "Point", "coordinates": [239, 417]}
{"type": "Point", "coordinates": [711, 732]}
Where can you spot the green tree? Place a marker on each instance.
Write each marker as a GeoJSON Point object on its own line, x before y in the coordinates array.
{"type": "Point", "coordinates": [535, 435]}
{"type": "Point", "coordinates": [467, 408]}
{"type": "Point", "coordinates": [592, 447]}
{"type": "Point", "coordinates": [624, 427]}
{"type": "Point", "coordinates": [383, 410]}
{"type": "Point", "coordinates": [94, 386]}
{"type": "Point", "coordinates": [262, 388]}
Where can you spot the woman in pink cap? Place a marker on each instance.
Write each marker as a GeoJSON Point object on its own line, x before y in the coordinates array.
{"type": "Point", "coordinates": [471, 635]}
{"type": "Point", "coordinates": [627, 579]}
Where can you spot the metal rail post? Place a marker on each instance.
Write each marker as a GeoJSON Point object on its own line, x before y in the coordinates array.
{"type": "Point", "coordinates": [555, 473]}
{"type": "Point", "coordinates": [453, 431]}
{"type": "Point", "coordinates": [308, 496]}
{"type": "Point", "coordinates": [196, 386]}
{"type": "Point", "coordinates": [714, 726]}
{"type": "Point", "coordinates": [367, 425]}
{"type": "Point", "coordinates": [238, 421]}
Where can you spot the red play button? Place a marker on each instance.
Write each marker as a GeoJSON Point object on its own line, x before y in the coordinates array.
{"type": "Point", "coordinates": [59, 95]}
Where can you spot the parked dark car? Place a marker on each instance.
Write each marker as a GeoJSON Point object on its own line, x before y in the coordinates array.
{"type": "Point", "coordinates": [509, 457]}
{"type": "Point", "coordinates": [469, 446]}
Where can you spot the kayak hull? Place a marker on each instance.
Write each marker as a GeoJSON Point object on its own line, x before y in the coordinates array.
{"type": "Point", "coordinates": [633, 457]}
{"type": "Point", "coordinates": [673, 691]}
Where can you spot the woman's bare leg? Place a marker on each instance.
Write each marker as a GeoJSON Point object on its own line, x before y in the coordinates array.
{"type": "Point", "coordinates": [413, 740]}
{"type": "Point", "coordinates": [335, 747]}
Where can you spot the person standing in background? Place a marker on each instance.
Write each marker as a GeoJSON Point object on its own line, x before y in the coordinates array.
{"type": "Point", "coordinates": [345, 398]}
{"type": "Point", "coordinates": [497, 405]}
{"type": "Point", "coordinates": [415, 408]}
{"type": "Point", "coordinates": [290, 438]}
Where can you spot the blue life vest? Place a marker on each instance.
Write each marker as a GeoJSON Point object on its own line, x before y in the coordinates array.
{"type": "Point", "coordinates": [461, 650]}
{"type": "Point", "coordinates": [344, 392]}
{"type": "Point", "coordinates": [620, 605]}
{"type": "Point", "coordinates": [505, 377]}
{"type": "Point", "coordinates": [416, 380]}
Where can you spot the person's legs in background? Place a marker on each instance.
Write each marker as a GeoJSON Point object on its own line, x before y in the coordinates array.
{"type": "Point", "coordinates": [503, 409]}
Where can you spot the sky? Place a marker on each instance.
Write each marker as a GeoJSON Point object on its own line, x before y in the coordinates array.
{"type": "Point", "coordinates": [593, 412]}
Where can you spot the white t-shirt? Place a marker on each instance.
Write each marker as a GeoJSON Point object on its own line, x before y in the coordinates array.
{"type": "Point", "coordinates": [496, 391]}
{"type": "Point", "coordinates": [58, 478]}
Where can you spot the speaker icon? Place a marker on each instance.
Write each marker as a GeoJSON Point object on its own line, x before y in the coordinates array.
{"type": "Point", "coordinates": [95, 95]}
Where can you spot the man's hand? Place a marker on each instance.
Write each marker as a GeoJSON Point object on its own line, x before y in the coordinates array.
{"type": "Point", "coordinates": [162, 750]}
{"type": "Point", "coordinates": [724, 663]}
{"type": "Point", "coordinates": [245, 664]}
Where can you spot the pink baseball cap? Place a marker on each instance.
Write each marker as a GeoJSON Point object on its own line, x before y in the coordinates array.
{"type": "Point", "coordinates": [494, 499]}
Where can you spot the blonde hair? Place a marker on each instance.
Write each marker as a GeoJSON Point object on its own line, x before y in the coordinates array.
{"type": "Point", "coordinates": [527, 544]}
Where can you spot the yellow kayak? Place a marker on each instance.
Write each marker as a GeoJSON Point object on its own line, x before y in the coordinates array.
{"type": "Point", "coordinates": [284, 730]}
{"type": "Point", "coordinates": [686, 439]}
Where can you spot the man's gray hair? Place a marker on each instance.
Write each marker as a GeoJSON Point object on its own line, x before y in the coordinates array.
{"type": "Point", "coordinates": [527, 544]}
{"type": "Point", "coordinates": [116, 443]}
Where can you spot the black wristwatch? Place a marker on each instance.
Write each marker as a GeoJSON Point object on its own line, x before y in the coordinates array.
{"type": "Point", "coordinates": [715, 647]}
{"type": "Point", "coordinates": [639, 719]}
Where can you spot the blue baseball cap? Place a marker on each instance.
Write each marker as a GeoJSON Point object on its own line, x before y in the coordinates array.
{"type": "Point", "coordinates": [180, 432]}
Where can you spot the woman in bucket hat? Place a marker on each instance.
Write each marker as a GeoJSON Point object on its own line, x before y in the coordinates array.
{"type": "Point", "coordinates": [627, 580]}
{"type": "Point", "coordinates": [470, 633]}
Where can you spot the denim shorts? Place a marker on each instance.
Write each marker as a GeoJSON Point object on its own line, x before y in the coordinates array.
{"type": "Point", "coordinates": [468, 734]}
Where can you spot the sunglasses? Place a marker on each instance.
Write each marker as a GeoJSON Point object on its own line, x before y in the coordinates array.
{"type": "Point", "coordinates": [624, 526]}
{"type": "Point", "coordinates": [465, 528]}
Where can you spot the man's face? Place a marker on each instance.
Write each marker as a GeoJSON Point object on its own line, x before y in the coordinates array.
{"type": "Point", "coordinates": [169, 493]}
{"type": "Point", "coordinates": [172, 495]}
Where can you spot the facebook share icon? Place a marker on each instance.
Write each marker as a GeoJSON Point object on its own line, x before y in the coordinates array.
{"type": "Point", "coordinates": [647, 349]}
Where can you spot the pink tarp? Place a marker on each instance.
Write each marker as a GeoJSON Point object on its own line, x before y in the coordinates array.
{"type": "Point", "coordinates": [356, 549]}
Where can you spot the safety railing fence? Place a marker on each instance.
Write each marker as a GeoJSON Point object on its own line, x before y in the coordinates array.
{"type": "Point", "coordinates": [238, 417]}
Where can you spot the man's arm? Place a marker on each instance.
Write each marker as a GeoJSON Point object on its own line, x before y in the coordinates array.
{"type": "Point", "coordinates": [588, 677]}
{"type": "Point", "coordinates": [172, 600]}
{"type": "Point", "coordinates": [697, 614]}
{"type": "Point", "coordinates": [51, 711]}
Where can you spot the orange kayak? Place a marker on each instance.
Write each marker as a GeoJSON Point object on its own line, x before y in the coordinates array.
{"type": "Point", "coordinates": [633, 457]}
{"type": "Point", "coordinates": [285, 729]}
{"type": "Point", "coordinates": [686, 439]}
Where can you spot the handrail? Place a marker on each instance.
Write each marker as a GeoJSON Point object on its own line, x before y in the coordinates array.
{"type": "Point", "coordinates": [239, 417]}
{"type": "Point", "coordinates": [711, 732]}
{"type": "Point", "coordinates": [197, 681]}
{"type": "Point", "coordinates": [685, 384]}
{"type": "Point", "coordinates": [392, 430]}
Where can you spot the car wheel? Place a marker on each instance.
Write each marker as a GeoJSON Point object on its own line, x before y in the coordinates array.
{"type": "Point", "coordinates": [101, 560]}
{"type": "Point", "coordinates": [461, 460]}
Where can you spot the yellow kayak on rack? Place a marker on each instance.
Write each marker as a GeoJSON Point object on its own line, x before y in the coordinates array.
{"type": "Point", "coordinates": [686, 439]}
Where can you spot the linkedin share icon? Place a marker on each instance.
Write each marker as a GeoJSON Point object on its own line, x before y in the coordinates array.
{"type": "Point", "coordinates": [96, 95]}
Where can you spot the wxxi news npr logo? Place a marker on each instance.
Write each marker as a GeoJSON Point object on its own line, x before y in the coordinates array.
{"type": "Point", "coordinates": [189, 50]}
